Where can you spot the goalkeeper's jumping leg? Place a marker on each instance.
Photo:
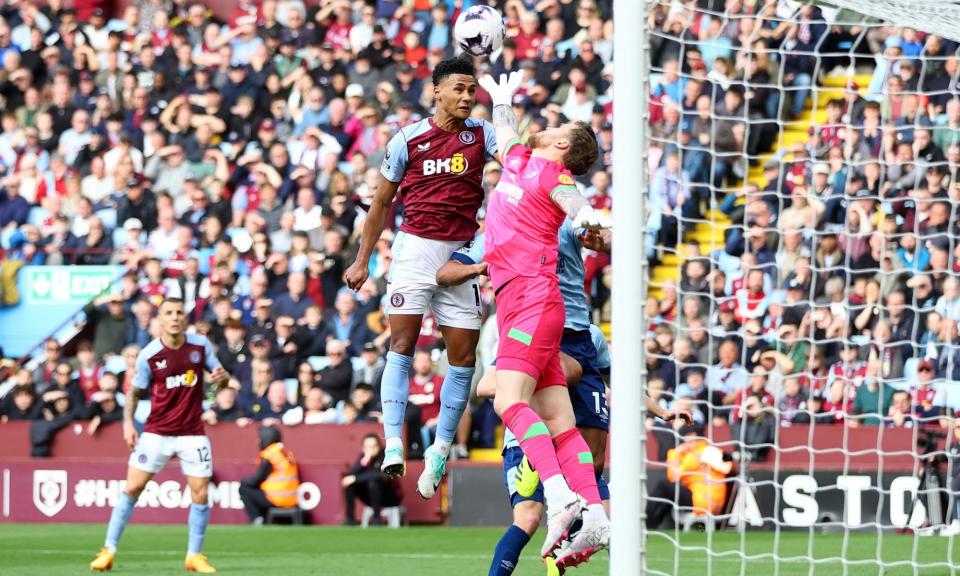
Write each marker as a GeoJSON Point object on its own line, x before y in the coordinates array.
{"type": "Point", "coordinates": [564, 506]}
{"type": "Point", "coordinates": [576, 463]}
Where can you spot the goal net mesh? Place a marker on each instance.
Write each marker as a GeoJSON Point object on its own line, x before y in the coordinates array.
{"type": "Point", "coordinates": [803, 300]}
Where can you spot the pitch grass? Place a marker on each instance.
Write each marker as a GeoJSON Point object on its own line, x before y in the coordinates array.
{"type": "Point", "coordinates": [64, 549]}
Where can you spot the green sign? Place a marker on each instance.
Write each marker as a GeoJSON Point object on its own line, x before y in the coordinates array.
{"type": "Point", "coordinates": [67, 284]}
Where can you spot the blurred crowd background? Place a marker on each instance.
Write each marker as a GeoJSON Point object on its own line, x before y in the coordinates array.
{"type": "Point", "coordinates": [802, 198]}
{"type": "Point", "coordinates": [230, 160]}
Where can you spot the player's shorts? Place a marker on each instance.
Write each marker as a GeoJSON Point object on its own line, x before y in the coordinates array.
{"type": "Point", "coordinates": [153, 451]}
{"type": "Point", "coordinates": [530, 318]}
{"type": "Point", "coordinates": [588, 396]}
{"type": "Point", "coordinates": [511, 460]}
{"type": "Point", "coordinates": [412, 283]}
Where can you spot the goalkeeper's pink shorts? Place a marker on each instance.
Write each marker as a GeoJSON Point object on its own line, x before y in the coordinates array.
{"type": "Point", "coordinates": [530, 318]}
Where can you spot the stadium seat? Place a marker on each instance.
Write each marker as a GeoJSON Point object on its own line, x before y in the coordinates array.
{"type": "Point", "coordinates": [115, 364]}
{"type": "Point", "coordinates": [108, 216]}
{"type": "Point", "coordinates": [294, 515]}
{"type": "Point", "coordinates": [394, 515]}
{"type": "Point", "coordinates": [36, 216]}
{"type": "Point", "coordinates": [120, 236]}
{"type": "Point", "coordinates": [318, 363]}
{"type": "Point", "coordinates": [689, 519]}
{"type": "Point", "coordinates": [291, 384]}
{"type": "Point", "coordinates": [910, 370]}
{"type": "Point", "coordinates": [5, 236]}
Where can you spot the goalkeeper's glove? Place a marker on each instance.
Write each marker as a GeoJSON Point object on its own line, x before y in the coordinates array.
{"type": "Point", "coordinates": [502, 92]}
{"type": "Point", "coordinates": [591, 219]}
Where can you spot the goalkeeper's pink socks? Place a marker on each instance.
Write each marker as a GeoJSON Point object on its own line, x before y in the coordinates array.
{"type": "Point", "coordinates": [534, 439]}
{"type": "Point", "coordinates": [576, 464]}
{"type": "Point", "coordinates": [567, 456]}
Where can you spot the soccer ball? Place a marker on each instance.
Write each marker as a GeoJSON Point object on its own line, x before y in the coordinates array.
{"type": "Point", "coordinates": [479, 30]}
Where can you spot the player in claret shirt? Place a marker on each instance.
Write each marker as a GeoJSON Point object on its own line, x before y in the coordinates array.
{"type": "Point", "coordinates": [170, 370]}
{"type": "Point", "coordinates": [437, 167]}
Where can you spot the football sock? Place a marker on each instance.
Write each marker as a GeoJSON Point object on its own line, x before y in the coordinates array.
{"type": "Point", "coordinates": [118, 520]}
{"type": "Point", "coordinates": [453, 399]}
{"type": "Point", "coordinates": [197, 524]}
{"type": "Point", "coordinates": [534, 440]}
{"type": "Point", "coordinates": [603, 488]}
{"type": "Point", "coordinates": [507, 553]}
{"type": "Point", "coordinates": [394, 391]}
{"type": "Point", "coordinates": [394, 443]}
{"type": "Point", "coordinates": [595, 513]}
{"type": "Point", "coordinates": [557, 492]}
{"type": "Point", "coordinates": [576, 463]}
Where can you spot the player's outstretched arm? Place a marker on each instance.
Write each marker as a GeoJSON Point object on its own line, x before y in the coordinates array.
{"type": "Point", "coordinates": [504, 120]}
{"type": "Point", "coordinates": [453, 272]}
{"type": "Point", "coordinates": [571, 201]}
{"type": "Point", "coordinates": [358, 272]}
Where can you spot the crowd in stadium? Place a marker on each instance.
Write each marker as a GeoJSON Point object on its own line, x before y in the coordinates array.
{"type": "Point", "coordinates": [231, 162]}
{"type": "Point", "coordinates": [834, 294]}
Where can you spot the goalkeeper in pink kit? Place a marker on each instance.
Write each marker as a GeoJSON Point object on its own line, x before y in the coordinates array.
{"type": "Point", "coordinates": [535, 194]}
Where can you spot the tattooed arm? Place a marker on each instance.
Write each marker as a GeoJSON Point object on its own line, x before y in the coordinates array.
{"type": "Point", "coordinates": [570, 200]}
{"type": "Point", "coordinates": [142, 375]}
{"type": "Point", "coordinates": [129, 409]}
{"type": "Point", "coordinates": [505, 124]}
{"type": "Point", "coordinates": [504, 120]}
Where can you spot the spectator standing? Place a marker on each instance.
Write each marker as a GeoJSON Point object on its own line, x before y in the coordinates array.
{"type": "Point", "coordinates": [109, 319]}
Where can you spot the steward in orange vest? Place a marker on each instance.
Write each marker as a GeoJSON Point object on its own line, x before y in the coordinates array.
{"type": "Point", "coordinates": [276, 481]}
{"type": "Point", "coordinates": [695, 479]}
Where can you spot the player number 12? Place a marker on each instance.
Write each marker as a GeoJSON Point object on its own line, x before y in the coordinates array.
{"type": "Point", "coordinates": [204, 453]}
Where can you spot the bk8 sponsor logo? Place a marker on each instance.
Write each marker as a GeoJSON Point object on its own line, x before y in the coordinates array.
{"type": "Point", "coordinates": [457, 164]}
{"type": "Point", "coordinates": [186, 380]}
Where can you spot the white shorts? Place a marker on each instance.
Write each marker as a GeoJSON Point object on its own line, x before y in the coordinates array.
{"type": "Point", "coordinates": [153, 451]}
{"type": "Point", "coordinates": [412, 283]}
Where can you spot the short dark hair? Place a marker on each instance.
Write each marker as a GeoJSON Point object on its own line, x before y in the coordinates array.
{"type": "Point", "coordinates": [172, 300]}
{"type": "Point", "coordinates": [450, 66]}
{"type": "Point", "coordinates": [582, 153]}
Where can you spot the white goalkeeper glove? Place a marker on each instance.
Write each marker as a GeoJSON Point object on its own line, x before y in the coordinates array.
{"type": "Point", "coordinates": [502, 92]}
{"type": "Point", "coordinates": [591, 219]}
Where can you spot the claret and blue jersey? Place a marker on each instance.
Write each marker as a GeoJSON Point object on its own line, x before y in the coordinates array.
{"type": "Point", "coordinates": [440, 175]}
{"type": "Point", "coordinates": [174, 378]}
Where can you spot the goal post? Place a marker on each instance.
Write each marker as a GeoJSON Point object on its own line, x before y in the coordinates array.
{"type": "Point", "coordinates": [627, 427]}
{"type": "Point", "coordinates": [787, 266]}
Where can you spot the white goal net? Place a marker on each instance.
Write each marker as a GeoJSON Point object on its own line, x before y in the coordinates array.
{"type": "Point", "coordinates": [804, 287]}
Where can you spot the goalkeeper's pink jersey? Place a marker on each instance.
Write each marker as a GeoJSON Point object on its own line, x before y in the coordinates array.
{"type": "Point", "coordinates": [522, 220]}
